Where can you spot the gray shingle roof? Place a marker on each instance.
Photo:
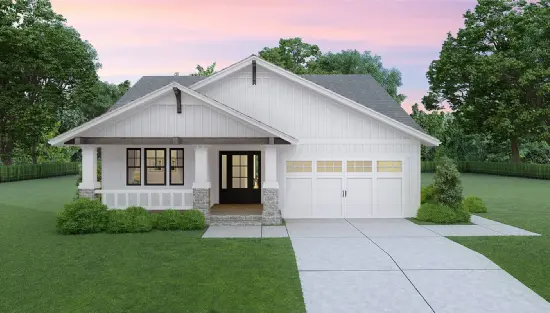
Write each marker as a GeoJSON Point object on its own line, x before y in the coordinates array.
{"type": "Point", "coordinates": [362, 89]}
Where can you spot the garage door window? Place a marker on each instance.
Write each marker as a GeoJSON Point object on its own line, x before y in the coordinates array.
{"type": "Point", "coordinates": [329, 166]}
{"type": "Point", "coordinates": [359, 166]}
{"type": "Point", "coordinates": [389, 166]}
{"type": "Point", "coordinates": [298, 166]}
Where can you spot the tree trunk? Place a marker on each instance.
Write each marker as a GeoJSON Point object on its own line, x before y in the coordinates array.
{"type": "Point", "coordinates": [6, 149]}
{"type": "Point", "coordinates": [33, 154]}
{"type": "Point", "coordinates": [515, 151]}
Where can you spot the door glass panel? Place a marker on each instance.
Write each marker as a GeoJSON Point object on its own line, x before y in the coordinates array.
{"type": "Point", "coordinates": [236, 183]}
{"type": "Point", "coordinates": [244, 171]}
{"type": "Point", "coordinates": [236, 172]}
{"type": "Point", "coordinates": [236, 160]}
{"type": "Point", "coordinates": [244, 183]}
{"type": "Point", "coordinates": [224, 171]}
{"type": "Point", "coordinates": [244, 160]}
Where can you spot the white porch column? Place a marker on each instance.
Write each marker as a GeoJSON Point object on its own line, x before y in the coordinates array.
{"type": "Point", "coordinates": [271, 214]}
{"type": "Point", "coordinates": [89, 172]}
{"type": "Point", "coordinates": [201, 185]}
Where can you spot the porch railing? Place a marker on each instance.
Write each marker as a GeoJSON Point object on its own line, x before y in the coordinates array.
{"type": "Point", "coordinates": [150, 199]}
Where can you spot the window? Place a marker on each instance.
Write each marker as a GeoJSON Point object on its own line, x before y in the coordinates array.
{"type": "Point", "coordinates": [329, 166]}
{"type": "Point", "coordinates": [240, 171]}
{"type": "Point", "coordinates": [155, 167]}
{"type": "Point", "coordinates": [176, 166]}
{"type": "Point", "coordinates": [359, 166]}
{"type": "Point", "coordinates": [133, 167]}
{"type": "Point", "coordinates": [389, 166]}
{"type": "Point", "coordinates": [298, 166]}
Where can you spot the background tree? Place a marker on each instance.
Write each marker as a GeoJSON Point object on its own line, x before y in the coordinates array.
{"type": "Point", "coordinates": [490, 77]}
{"type": "Point", "coordinates": [303, 58]}
{"type": "Point", "coordinates": [41, 62]}
{"type": "Point", "coordinates": [201, 71]}
{"type": "Point", "coordinates": [292, 54]}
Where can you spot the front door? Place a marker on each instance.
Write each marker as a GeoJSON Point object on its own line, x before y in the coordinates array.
{"type": "Point", "coordinates": [240, 178]}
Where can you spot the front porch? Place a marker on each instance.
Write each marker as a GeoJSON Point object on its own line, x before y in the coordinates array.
{"type": "Point", "coordinates": [230, 185]}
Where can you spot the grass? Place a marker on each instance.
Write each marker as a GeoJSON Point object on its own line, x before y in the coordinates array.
{"type": "Point", "coordinates": [41, 271]}
{"type": "Point", "coordinates": [519, 202]}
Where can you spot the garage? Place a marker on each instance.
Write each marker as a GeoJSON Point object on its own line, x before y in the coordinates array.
{"type": "Point", "coordinates": [344, 188]}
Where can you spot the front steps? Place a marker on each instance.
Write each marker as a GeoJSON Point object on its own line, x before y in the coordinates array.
{"type": "Point", "coordinates": [235, 220]}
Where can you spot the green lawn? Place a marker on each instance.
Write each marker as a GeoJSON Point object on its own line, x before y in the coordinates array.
{"type": "Point", "coordinates": [41, 271]}
{"type": "Point", "coordinates": [519, 202]}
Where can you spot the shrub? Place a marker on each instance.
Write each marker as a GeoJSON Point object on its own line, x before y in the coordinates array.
{"type": "Point", "coordinates": [447, 187]}
{"type": "Point", "coordinates": [168, 220]}
{"type": "Point", "coordinates": [193, 219]}
{"type": "Point", "coordinates": [474, 205]}
{"type": "Point", "coordinates": [82, 216]}
{"type": "Point", "coordinates": [118, 222]}
{"type": "Point", "coordinates": [427, 194]}
{"type": "Point", "coordinates": [441, 214]}
{"type": "Point", "coordinates": [132, 220]}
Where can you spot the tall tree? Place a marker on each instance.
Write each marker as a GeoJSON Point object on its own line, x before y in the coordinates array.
{"type": "Point", "coordinates": [485, 73]}
{"type": "Point", "coordinates": [292, 54]}
{"type": "Point", "coordinates": [42, 61]}
{"type": "Point", "coordinates": [201, 71]}
{"type": "Point", "coordinates": [303, 58]}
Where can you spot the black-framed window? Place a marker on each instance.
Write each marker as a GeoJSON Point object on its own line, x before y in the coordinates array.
{"type": "Point", "coordinates": [176, 166]}
{"type": "Point", "coordinates": [133, 167]}
{"type": "Point", "coordinates": [155, 166]}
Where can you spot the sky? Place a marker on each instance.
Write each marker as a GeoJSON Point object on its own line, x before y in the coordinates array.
{"type": "Point", "coordinates": [134, 38]}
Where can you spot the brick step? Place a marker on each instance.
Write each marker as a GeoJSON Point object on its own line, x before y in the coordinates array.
{"type": "Point", "coordinates": [235, 220]}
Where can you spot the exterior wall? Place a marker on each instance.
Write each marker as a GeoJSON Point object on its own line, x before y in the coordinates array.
{"type": "Point", "coordinates": [160, 119]}
{"type": "Point", "coordinates": [113, 168]}
{"type": "Point", "coordinates": [296, 110]}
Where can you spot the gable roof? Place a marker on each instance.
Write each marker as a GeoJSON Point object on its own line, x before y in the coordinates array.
{"type": "Point", "coordinates": [60, 139]}
{"type": "Point", "coordinates": [363, 89]}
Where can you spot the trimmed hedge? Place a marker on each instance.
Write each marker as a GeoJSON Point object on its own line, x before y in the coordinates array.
{"type": "Point", "coordinates": [526, 170]}
{"type": "Point", "coordinates": [132, 220]}
{"type": "Point", "coordinates": [34, 171]}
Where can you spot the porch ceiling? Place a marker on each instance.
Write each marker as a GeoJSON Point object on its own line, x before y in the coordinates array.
{"type": "Point", "coordinates": [175, 141]}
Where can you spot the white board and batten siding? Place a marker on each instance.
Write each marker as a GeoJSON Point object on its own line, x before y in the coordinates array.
{"type": "Point", "coordinates": [327, 131]}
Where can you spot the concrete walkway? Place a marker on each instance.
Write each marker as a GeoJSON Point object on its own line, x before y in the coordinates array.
{"type": "Point", "coordinates": [397, 266]}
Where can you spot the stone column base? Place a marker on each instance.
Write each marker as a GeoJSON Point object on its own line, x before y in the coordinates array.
{"type": "Point", "coordinates": [271, 214]}
{"type": "Point", "coordinates": [87, 193]}
{"type": "Point", "coordinates": [201, 201]}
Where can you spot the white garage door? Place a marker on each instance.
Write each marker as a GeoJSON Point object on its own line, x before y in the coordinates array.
{"type": "Point", "coordinates": [344, 189]}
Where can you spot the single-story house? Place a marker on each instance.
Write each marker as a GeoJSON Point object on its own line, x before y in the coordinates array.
{"type": "Point", "coordinates": [296, 146]}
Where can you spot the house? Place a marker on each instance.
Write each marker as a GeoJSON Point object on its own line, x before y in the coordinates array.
{"type": "Point", "coordinates": [311, 146]}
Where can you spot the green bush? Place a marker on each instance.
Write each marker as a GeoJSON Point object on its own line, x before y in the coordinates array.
{"type": "Point", "coordinates": [427, 194]}
{"type": "Point", "coordinates": [442, 214]}
{"type": "Point", "coordinates": [474, 205]}
{"type": "Point", "coordinates": [193, 219]}
{"type": "Point", "coordinates": [132, 220]}
{"type": "Point", "coordinates": [118, 222]}
{"type": "Point", "coordinates": [82, 216]}
{"type": "Point", "coordinates": [168, 220]}
{"type": "Point", "coordinates": [447, 186]}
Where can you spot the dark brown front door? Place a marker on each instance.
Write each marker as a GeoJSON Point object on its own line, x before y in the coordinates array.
{"type": "Point", "coordinates": [240, 178]}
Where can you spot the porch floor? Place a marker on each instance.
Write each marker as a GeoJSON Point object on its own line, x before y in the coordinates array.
{"type": "Point", "coordinates": [237, 209]}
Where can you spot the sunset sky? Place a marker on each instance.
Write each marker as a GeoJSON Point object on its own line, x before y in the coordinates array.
{"type": "Point", "coordinates": [159, 37]}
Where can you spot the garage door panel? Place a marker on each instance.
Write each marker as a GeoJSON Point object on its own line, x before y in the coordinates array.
{"type": "Point", "coordinates": [389, 197]}
{"type": "Point", "coordinates": [329, 197]}
{"type": "Point", "coordinates": [298, 197]}
{"type": "Point", "coordinates": [359, 197]}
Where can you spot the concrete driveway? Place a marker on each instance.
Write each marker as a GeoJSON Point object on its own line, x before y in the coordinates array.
{"type": "Point", "coordinates": [395, 265]}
